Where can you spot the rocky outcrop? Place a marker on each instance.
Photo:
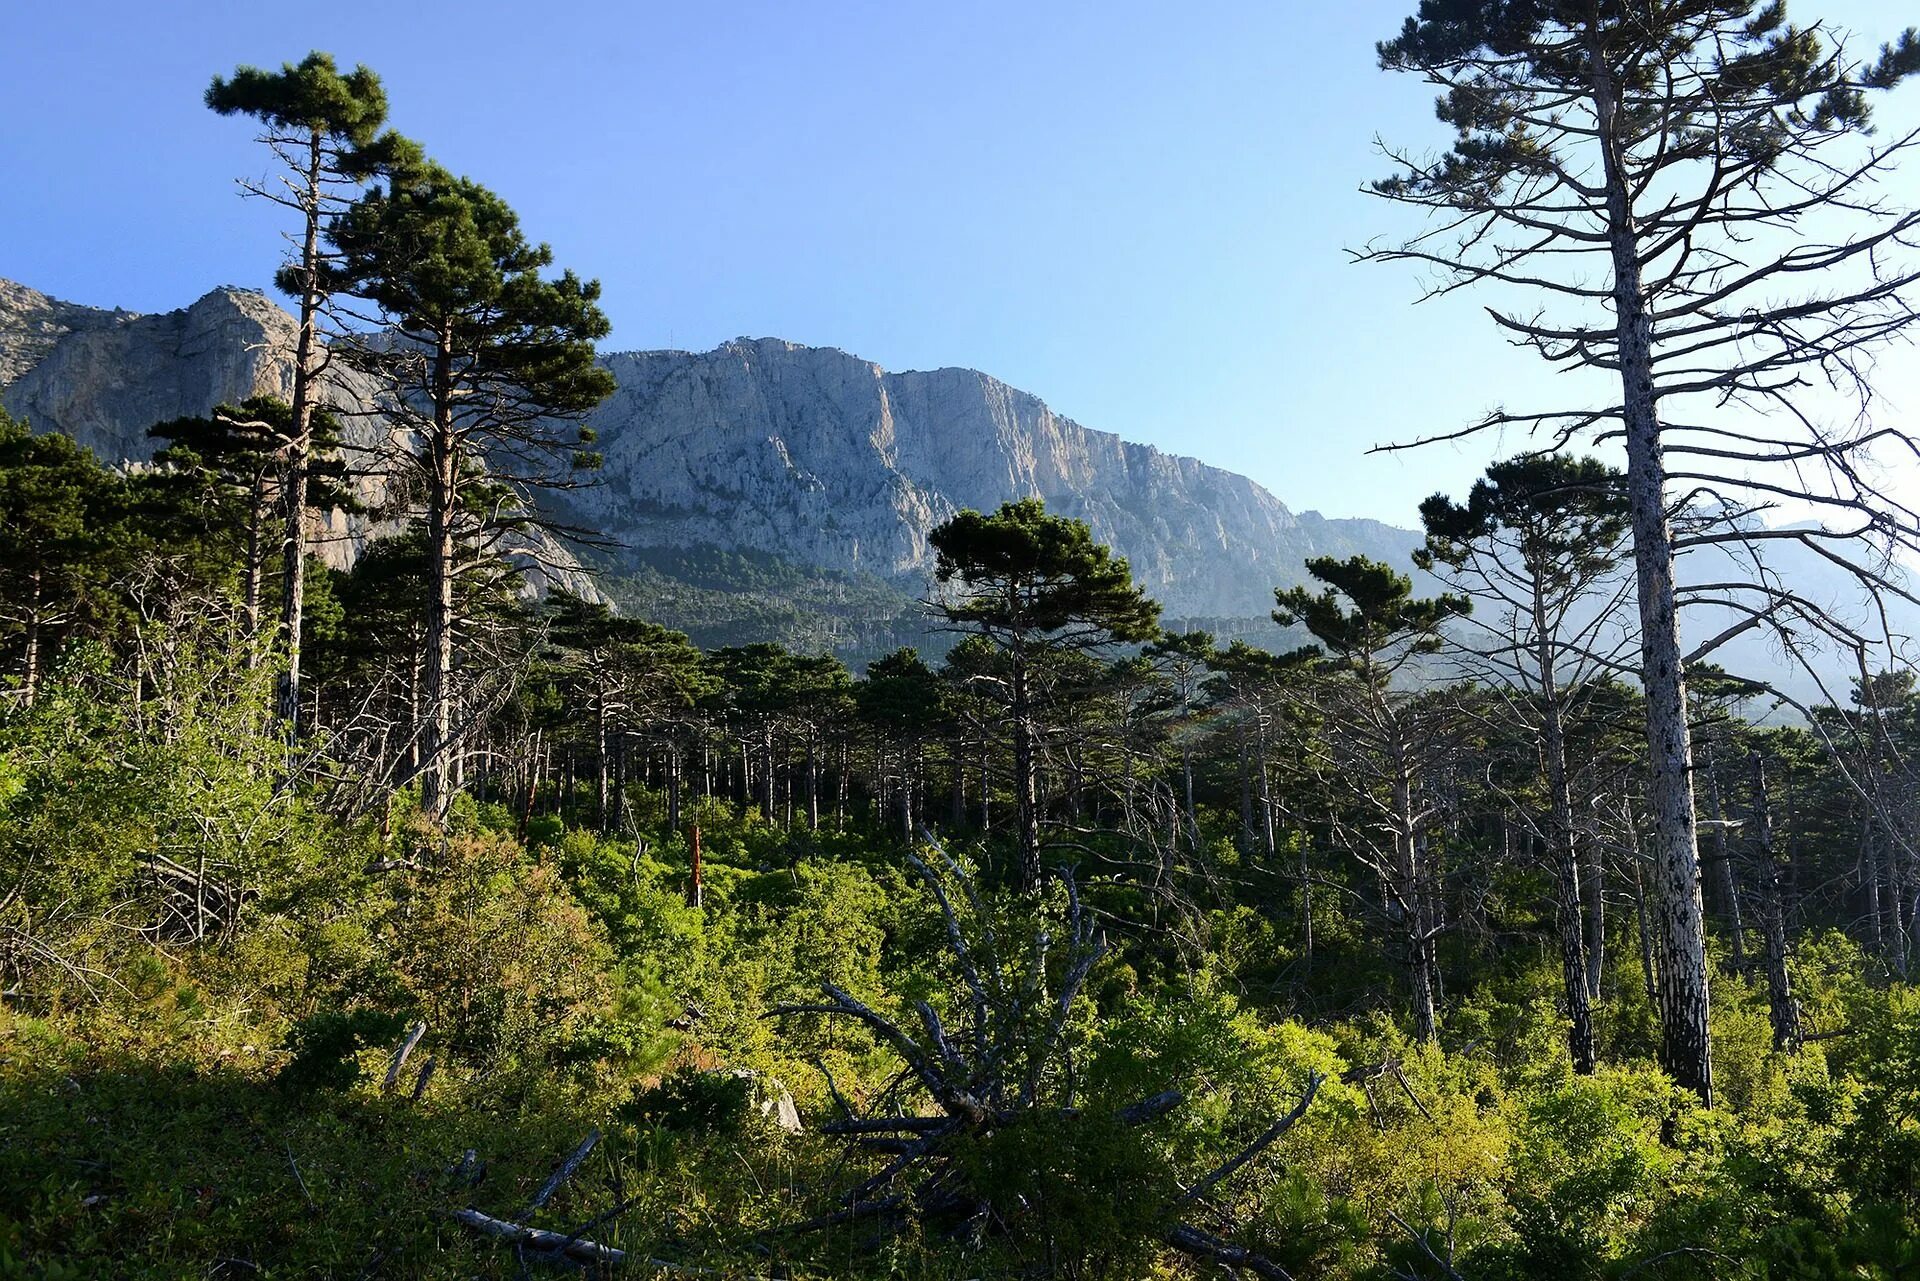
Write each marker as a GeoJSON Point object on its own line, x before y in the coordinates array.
{"type": "Point", "coordinates": [31, 324]}
{"type": "Point", "coordinates": [114, 375]}
{"type": "Point", "coordinates": [827, 460]}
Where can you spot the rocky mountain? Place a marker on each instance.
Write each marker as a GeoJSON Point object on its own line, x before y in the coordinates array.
{"type": "Point", "coordinates": [820, 458]}
{"type": "Point", "coordinates": [104, 377]}
{"type": "Point", "coordinates": [805, 470]}
{"type": "Point", "coordinates": [32, 324]}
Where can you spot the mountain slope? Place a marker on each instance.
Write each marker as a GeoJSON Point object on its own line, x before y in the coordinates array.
{"type": "Point", "coordinates": [104, 377]}
{"type": "Point", "coordinates": [823, 459]}
{"type": "Point", "coordinates": [808, 460]}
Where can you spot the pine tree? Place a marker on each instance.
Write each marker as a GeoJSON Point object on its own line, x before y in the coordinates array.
{"type": "Point", "coordinates": [61, 541]}
{"type": "Point", "coordinates": [1034, 584]}
{"type": "Point", "coordinates": [1537, 540]}
{"type": "Point", "coordinates": [1373, 628]}
{"type": "Point", "coordinates": [491, 366]}
{"type": "Point", "coordinates": [905, 704]}
{"type": "Point", "coordinates": [241, 459]}
{"type": "Point", "coordinates": [321, 125]}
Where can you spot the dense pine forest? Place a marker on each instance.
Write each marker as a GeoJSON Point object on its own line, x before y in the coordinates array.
{"type": "Point", "coordinates": [431, 917]}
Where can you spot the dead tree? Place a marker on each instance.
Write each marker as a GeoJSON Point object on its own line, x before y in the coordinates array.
{"type": "Point", "coordinates": [1684, 202]}
{"type": "Point", "coordinates": [1006, 1062]}
{"type": "Point", "coordinates": [1537, 545]}
{"type": "Point", "coordinates": [1782, 1010]}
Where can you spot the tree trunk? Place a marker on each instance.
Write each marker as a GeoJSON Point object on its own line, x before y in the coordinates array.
{"type": "Point", "coordinates": [293, 566]}
{"type": "Point", "coordinates": [36, 586]}
{"type": "Point", "coordinates": [768, 799]}
{"type": "Point", "coordinates": [813, 782]}
{"type": "Point", "coordinates": [1680, 951]}
{"type": "Point", "coordinates": [256, 568]}
{"type": "Point", "coordinates": [1782, 1011]}
{"type": "Point", "coordinates": [905, 796]}
{"type": "Point", "coordinates": [435, 793]}
{"type": "Point", "coordinates": [1269, 839]}
{"type": "Point", "coordinates": [1729, 884]}
{"type": "Point", "coordinates": [1306, 907]}
{"type": "Point", "coordinates": [696, 891]}
{"type": "Point", "coordinates": [1870, 877]}
{"type": "Point", "coordinates": [1594, 899]}
{"type": "Point", "coordinates": [1412, 893]}
{"type": "Point", "coordinates": [1025, 786]}
{"type": "Point", "coordinates": [956, 757]}
{"type": "Point", "coordinates": [1566, 866]}
{"type": "Point", "coordinates": [602, 792]}
{"type": "Point", "coordinates": [673, 788]}
{"type": "Point", "coordinates": [1247, 832]}
{"type": "Point", "coordinates": [841, 786]}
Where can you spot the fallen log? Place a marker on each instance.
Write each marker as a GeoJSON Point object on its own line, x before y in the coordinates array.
{"type": "Point", "coordinates": [565, 1171]}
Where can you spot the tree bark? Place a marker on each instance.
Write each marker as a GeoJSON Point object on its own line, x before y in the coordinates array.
{"type": "Point", "coordinates": [293, 567]}
{"type": "Point", "coordinates": [1729, 883]}
{"type": "Point", "coordinates": [673, 788]}
{"type": "Point", "coordinates": [1412, 892]}
{"type": "Point", "coordinates": [1594, 898]}
{"type": "Point", "coordinates": [1563, 852]}
{"type": "Point", "coordinates": [1025, 786]}
{"type": "Point", "coordinates": [256, 564]}
{"type": "Point", "coordinates": [36, 586]}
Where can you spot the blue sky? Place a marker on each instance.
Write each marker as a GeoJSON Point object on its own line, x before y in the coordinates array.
{"type": "Point", "coordinates": [1137, 211]}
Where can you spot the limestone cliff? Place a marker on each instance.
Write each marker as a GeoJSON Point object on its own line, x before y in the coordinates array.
{"type": "Point", "coordinates": [822, 458]}
{"type": "Point", "coordinates": [105, 377]}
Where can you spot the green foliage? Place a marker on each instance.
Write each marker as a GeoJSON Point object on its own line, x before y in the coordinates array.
{"type": "Point", "coordinates": [324, 1046]}
{"type": "Point", "coordinates": [312, 97]}
{"type": "Point", "coordinates": [1084, 1194]}
{"type": "Point", "coordinates": [62, 538]}
{"type": "Point", "coordinates": [1367, 610]}
{"type": "Point", "coordinates": [493, 950]}
{"type": "Point", "coordinates": [695, 1101]}
{"type": "Point", "coordinates": [1034, 576]}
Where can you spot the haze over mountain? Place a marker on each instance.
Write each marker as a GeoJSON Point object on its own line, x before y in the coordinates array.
{"type": "Point", "coordinates": [767, 490]}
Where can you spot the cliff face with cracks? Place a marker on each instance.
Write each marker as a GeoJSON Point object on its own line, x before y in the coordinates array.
{"type": "Point", "coordinates": [824, 459]}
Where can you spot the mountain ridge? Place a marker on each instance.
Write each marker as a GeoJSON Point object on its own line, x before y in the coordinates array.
{"type": "Point", "coordinates": [775, 446]}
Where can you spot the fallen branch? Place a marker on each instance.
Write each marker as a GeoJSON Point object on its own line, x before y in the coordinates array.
{"type": "Point", "coordinates": [564, 1172]}
{"type": "Point", "coordinates": [1259, 1145]}
{"type": "Point", "coordinates": [426, 1075]}
{"type": "Point", "coordinates": [1190, 1240]}
{"type": "Point", "coordinates": [578, 1249]}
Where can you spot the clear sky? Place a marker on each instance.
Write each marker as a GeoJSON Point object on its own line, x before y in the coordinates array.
{"type": "Point", "coordinates": [1137, 211]}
